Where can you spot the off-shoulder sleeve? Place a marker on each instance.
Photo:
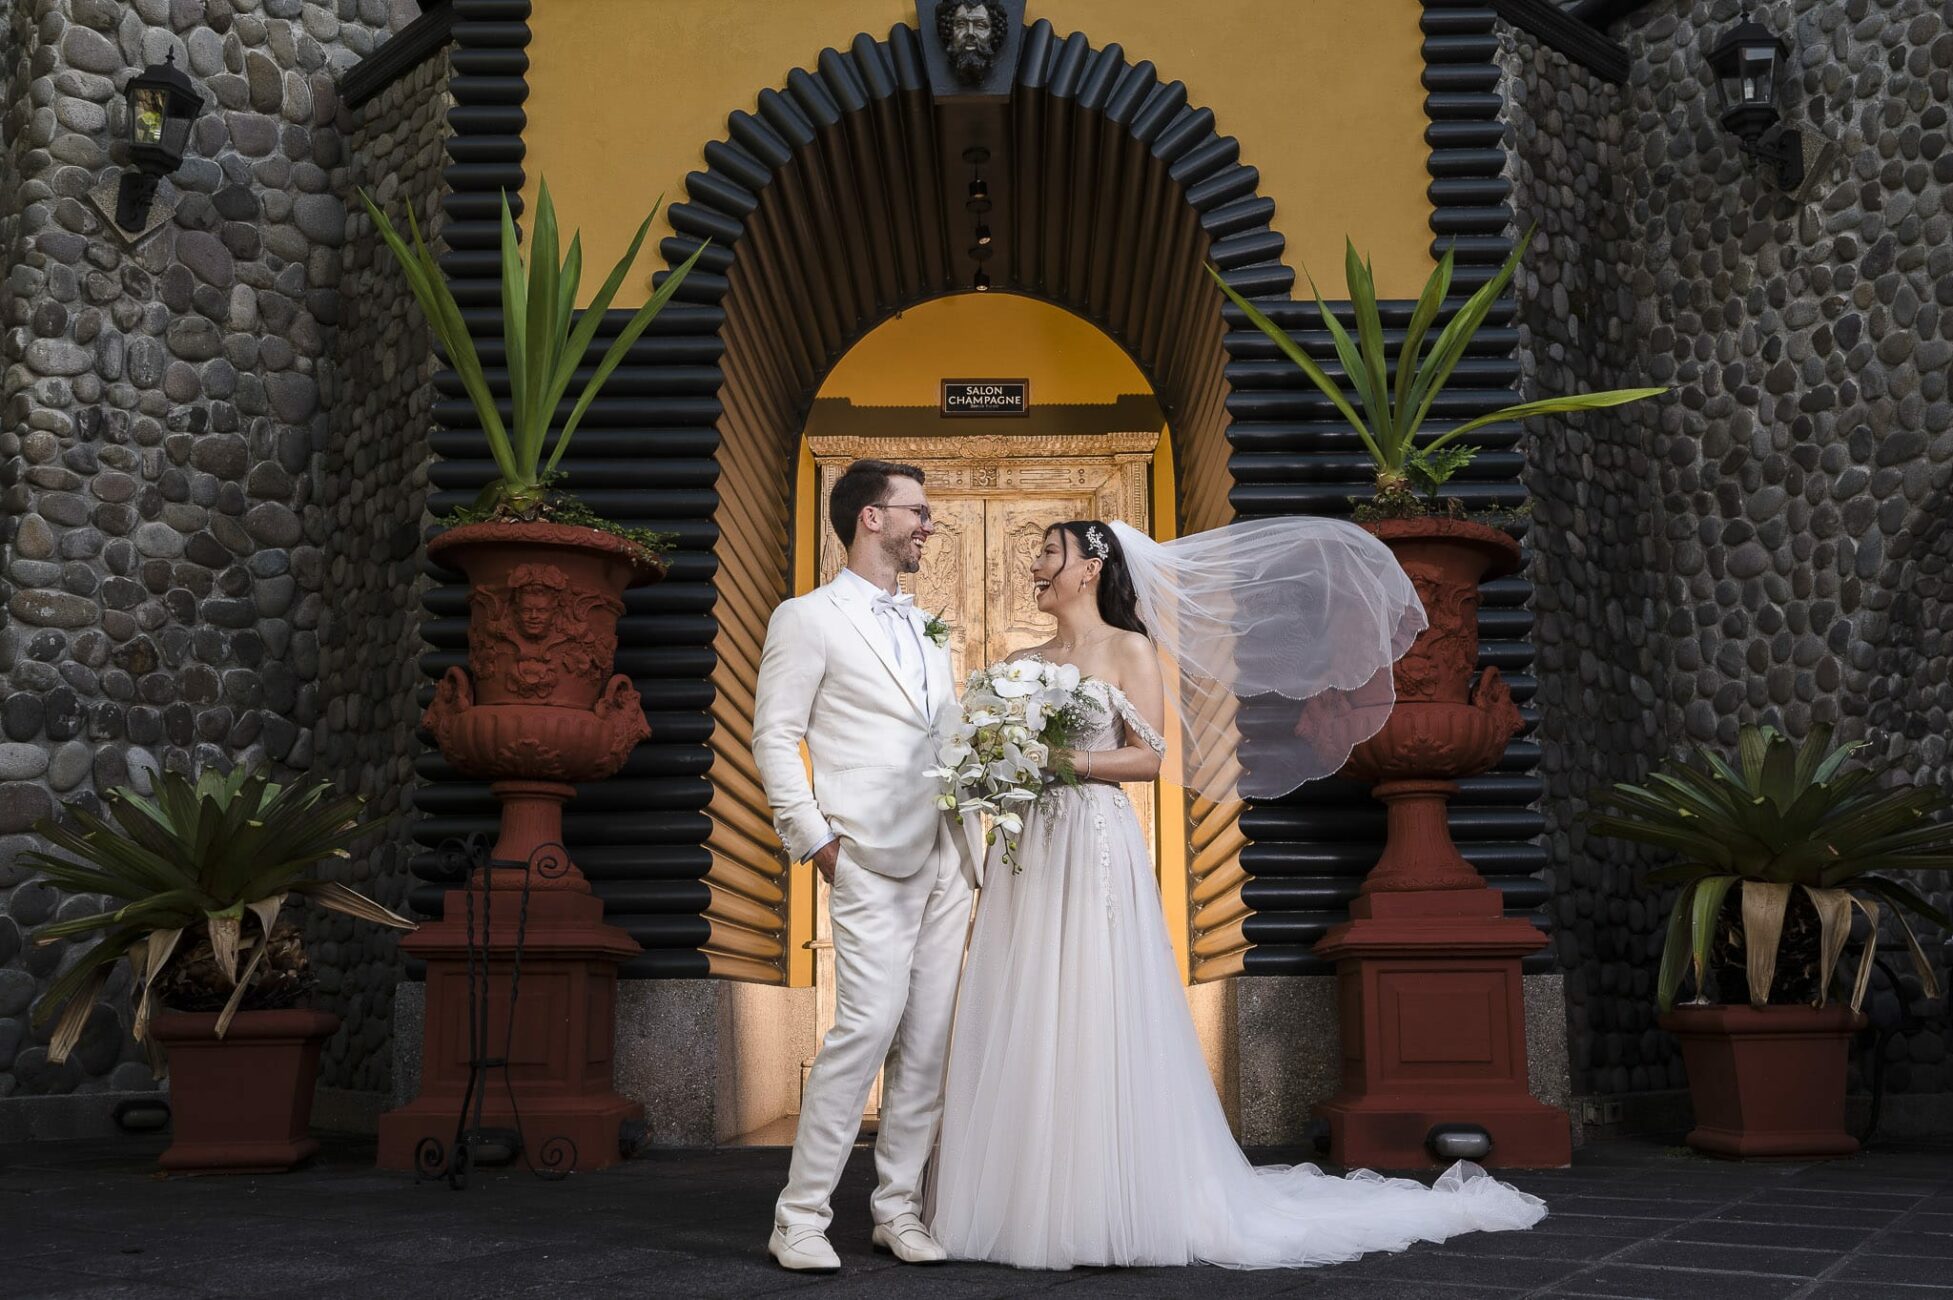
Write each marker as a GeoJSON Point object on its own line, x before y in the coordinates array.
{"type": "Point", "coordinates": [1153, 739]}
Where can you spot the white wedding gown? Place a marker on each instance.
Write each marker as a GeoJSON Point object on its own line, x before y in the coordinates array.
{"type": "Point", "coordinates": [1080, 1126]}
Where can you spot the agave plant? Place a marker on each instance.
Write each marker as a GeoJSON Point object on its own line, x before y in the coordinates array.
{"type": "Point", "coordinates": [188, 867]}
{"type": "Point", "coordinates": [1786, 821]}
{"type": "Point", "coordinates": [1388, 407]}
{"type": "Point", "coordinates": [545, 340]}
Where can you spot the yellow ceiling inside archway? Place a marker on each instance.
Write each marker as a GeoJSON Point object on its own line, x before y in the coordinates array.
{"type": "Point", "coordinates": [984, 335]}
{"type": "Point", "coordinates": [1323, 95]}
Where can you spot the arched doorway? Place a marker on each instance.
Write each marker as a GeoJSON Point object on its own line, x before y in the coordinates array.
{"type": "Point", "coordinates": [849, 196]}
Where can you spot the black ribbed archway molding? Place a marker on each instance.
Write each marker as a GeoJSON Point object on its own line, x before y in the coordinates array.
{"type": "Point", "coordinates": [825, 218]}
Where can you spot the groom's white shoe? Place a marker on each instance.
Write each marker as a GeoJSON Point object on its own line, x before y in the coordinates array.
{"type": "Point", "coordinates": [804, 1250]}
{"type": "Point", "coordinates": [905, 1237]}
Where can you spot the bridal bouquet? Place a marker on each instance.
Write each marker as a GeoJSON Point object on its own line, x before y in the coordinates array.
{"type": "Point", "coordinates": [1016, 716]}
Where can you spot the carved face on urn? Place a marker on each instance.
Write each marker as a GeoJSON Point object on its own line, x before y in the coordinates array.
{"type": "Point", "coordinates": [538, 600]}
{"type": "Point", "coordinates": [972, 33]}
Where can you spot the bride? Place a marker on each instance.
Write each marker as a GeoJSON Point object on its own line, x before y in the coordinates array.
{"type": "Point", "coordinates": [1080, 1124]}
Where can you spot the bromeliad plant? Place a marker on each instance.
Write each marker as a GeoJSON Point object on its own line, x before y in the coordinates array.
{"type": "Point", "coordinates": [1803, 841]}
{"type": "Point", "coordinates": [190, 869]}
{"type": "Point", "coordinates": [545, 340]}
{"type": "Point", "coordinates": [1387, 406]}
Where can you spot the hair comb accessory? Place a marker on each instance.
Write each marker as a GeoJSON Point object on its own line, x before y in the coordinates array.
{"type": "Point", "coordinates": [1096, 543]}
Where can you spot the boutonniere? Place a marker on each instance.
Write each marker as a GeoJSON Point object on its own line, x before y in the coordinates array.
{"type": "Point", "coordinates": [936, 630]}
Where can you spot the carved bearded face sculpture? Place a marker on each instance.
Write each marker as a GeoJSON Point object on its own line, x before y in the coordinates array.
{"type": "Point", "coordinates": [972, 32]}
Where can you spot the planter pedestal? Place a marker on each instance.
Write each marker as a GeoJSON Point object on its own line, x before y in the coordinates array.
{"type": "Point", "coordinates": [542, 713]}
{"type": "Point", "coordinates": [241, 1104]}
{"type": "Point", "coordinates": [1434, 1031]}
{"type": "Point", "coordinates": [1427, 966]}
{"type": "Point", "coordinates": [559, 1051]}
{"type": "Point", "coordinates": [1767, 1082]}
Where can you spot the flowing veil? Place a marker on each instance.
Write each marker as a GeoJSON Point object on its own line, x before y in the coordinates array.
{"type": "Point", "coordinates": [1277, 636]}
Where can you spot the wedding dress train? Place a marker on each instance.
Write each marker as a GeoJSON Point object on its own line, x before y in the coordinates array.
{"type": "Point", "coordinates": [1080, 1124]}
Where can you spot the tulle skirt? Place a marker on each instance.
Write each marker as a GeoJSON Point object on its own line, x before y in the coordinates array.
{"type": "Point", "coordinates": [1080, 1124]}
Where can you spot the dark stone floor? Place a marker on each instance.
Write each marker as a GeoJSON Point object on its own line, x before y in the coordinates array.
{"type": "Point", "coordinates": [1629, 1219]}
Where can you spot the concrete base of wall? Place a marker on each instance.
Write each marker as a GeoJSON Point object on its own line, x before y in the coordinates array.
{"type": "Point", "coordinates": [343, 1110]}
{"type": "Point", "coordinates": [1902, 1116]}
{"type": "Point", "coordinates": [711, 1060]}
{"type": "Point", "coordinates": [714, 1060]}
{"type": "Point", "coordinates": [73, 1115]}
{"type": "Point", "coordinates": [1288, 1052]}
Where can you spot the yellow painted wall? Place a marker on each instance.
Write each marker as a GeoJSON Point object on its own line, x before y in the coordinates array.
{"type": "Point", "coordinates": [625, 94]}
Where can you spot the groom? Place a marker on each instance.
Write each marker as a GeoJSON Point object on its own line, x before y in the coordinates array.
{"type": "Point", "coordinates": [850, 669]}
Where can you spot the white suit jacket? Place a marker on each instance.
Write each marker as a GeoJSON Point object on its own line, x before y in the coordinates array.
{"type": "Point", "coordinates": [829, 677]}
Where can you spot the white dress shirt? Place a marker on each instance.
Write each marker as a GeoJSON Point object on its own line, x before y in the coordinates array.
{"type": "Point", "coordinates": [902, 625]}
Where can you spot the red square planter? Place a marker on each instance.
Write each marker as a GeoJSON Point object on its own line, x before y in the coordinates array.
{"type": "Point", "coordinates": [242, 1103]}
{"type": "Point", "coordinates": [1767, 1081]}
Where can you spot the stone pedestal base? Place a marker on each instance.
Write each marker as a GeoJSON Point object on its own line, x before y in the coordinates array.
{"type": "Point", "coordinates": [558, 1088]}
{"type": "Point", "coordinates": [1434, 1031]}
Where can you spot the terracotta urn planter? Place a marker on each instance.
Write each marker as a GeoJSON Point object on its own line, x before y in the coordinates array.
{"type": "Point", "coordinates": [1429, 990]}
{"type": "Point", "coordinates": [1443, 726]}
{"type": "Point", "coordinates": [542, 710]}
{"type": "Point", "coordinates": [1767, 1081]}
{"type": "Point", "coordinates": [242, 1103]}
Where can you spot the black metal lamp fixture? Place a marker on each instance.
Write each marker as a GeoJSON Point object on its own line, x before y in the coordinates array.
{"type": "Point", "coordinates": [163, 102]}
{"type": "Point", "coordinates": [1746, 62]}
{"type": "Point", "coordinates": [979, 206]}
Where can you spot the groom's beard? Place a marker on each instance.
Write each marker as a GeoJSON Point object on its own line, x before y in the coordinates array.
{"type": "Point", "coordinates": [906, 555]}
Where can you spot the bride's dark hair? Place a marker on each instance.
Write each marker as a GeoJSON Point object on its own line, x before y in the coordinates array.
{"type": "Point", "coordinates": [1118, 602]}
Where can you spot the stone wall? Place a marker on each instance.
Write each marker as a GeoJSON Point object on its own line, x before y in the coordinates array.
{"type": "Point", "coordinates": [164, 579]}
{"type": "Point", "coordinates": [1770, 542]}
{"type": "Point", "coordinates": [374, 496]}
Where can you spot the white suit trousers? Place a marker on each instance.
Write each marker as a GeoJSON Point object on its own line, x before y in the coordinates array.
{"type": "Point", "coordinates": [898, 953]}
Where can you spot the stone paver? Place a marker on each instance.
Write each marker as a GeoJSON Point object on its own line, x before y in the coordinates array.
{"type": "Point", "coordinates": [1630, 1219]}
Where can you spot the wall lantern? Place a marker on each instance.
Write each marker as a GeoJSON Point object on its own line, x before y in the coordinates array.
{"type": "Point", "coordinates": [1746, 62]}
{"type": "Point", "coordinates": [163, 102]}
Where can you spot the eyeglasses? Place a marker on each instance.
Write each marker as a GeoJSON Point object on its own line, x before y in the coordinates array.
{"type": "Point", "coordinates": [921, 513]}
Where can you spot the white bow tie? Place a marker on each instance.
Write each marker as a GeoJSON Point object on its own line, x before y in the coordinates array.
{"type": "Point", "coordinates": [887, 604]}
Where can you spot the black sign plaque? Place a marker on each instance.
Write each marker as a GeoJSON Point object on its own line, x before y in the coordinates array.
{"type": "Point", "coordinates": [986, 397]}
